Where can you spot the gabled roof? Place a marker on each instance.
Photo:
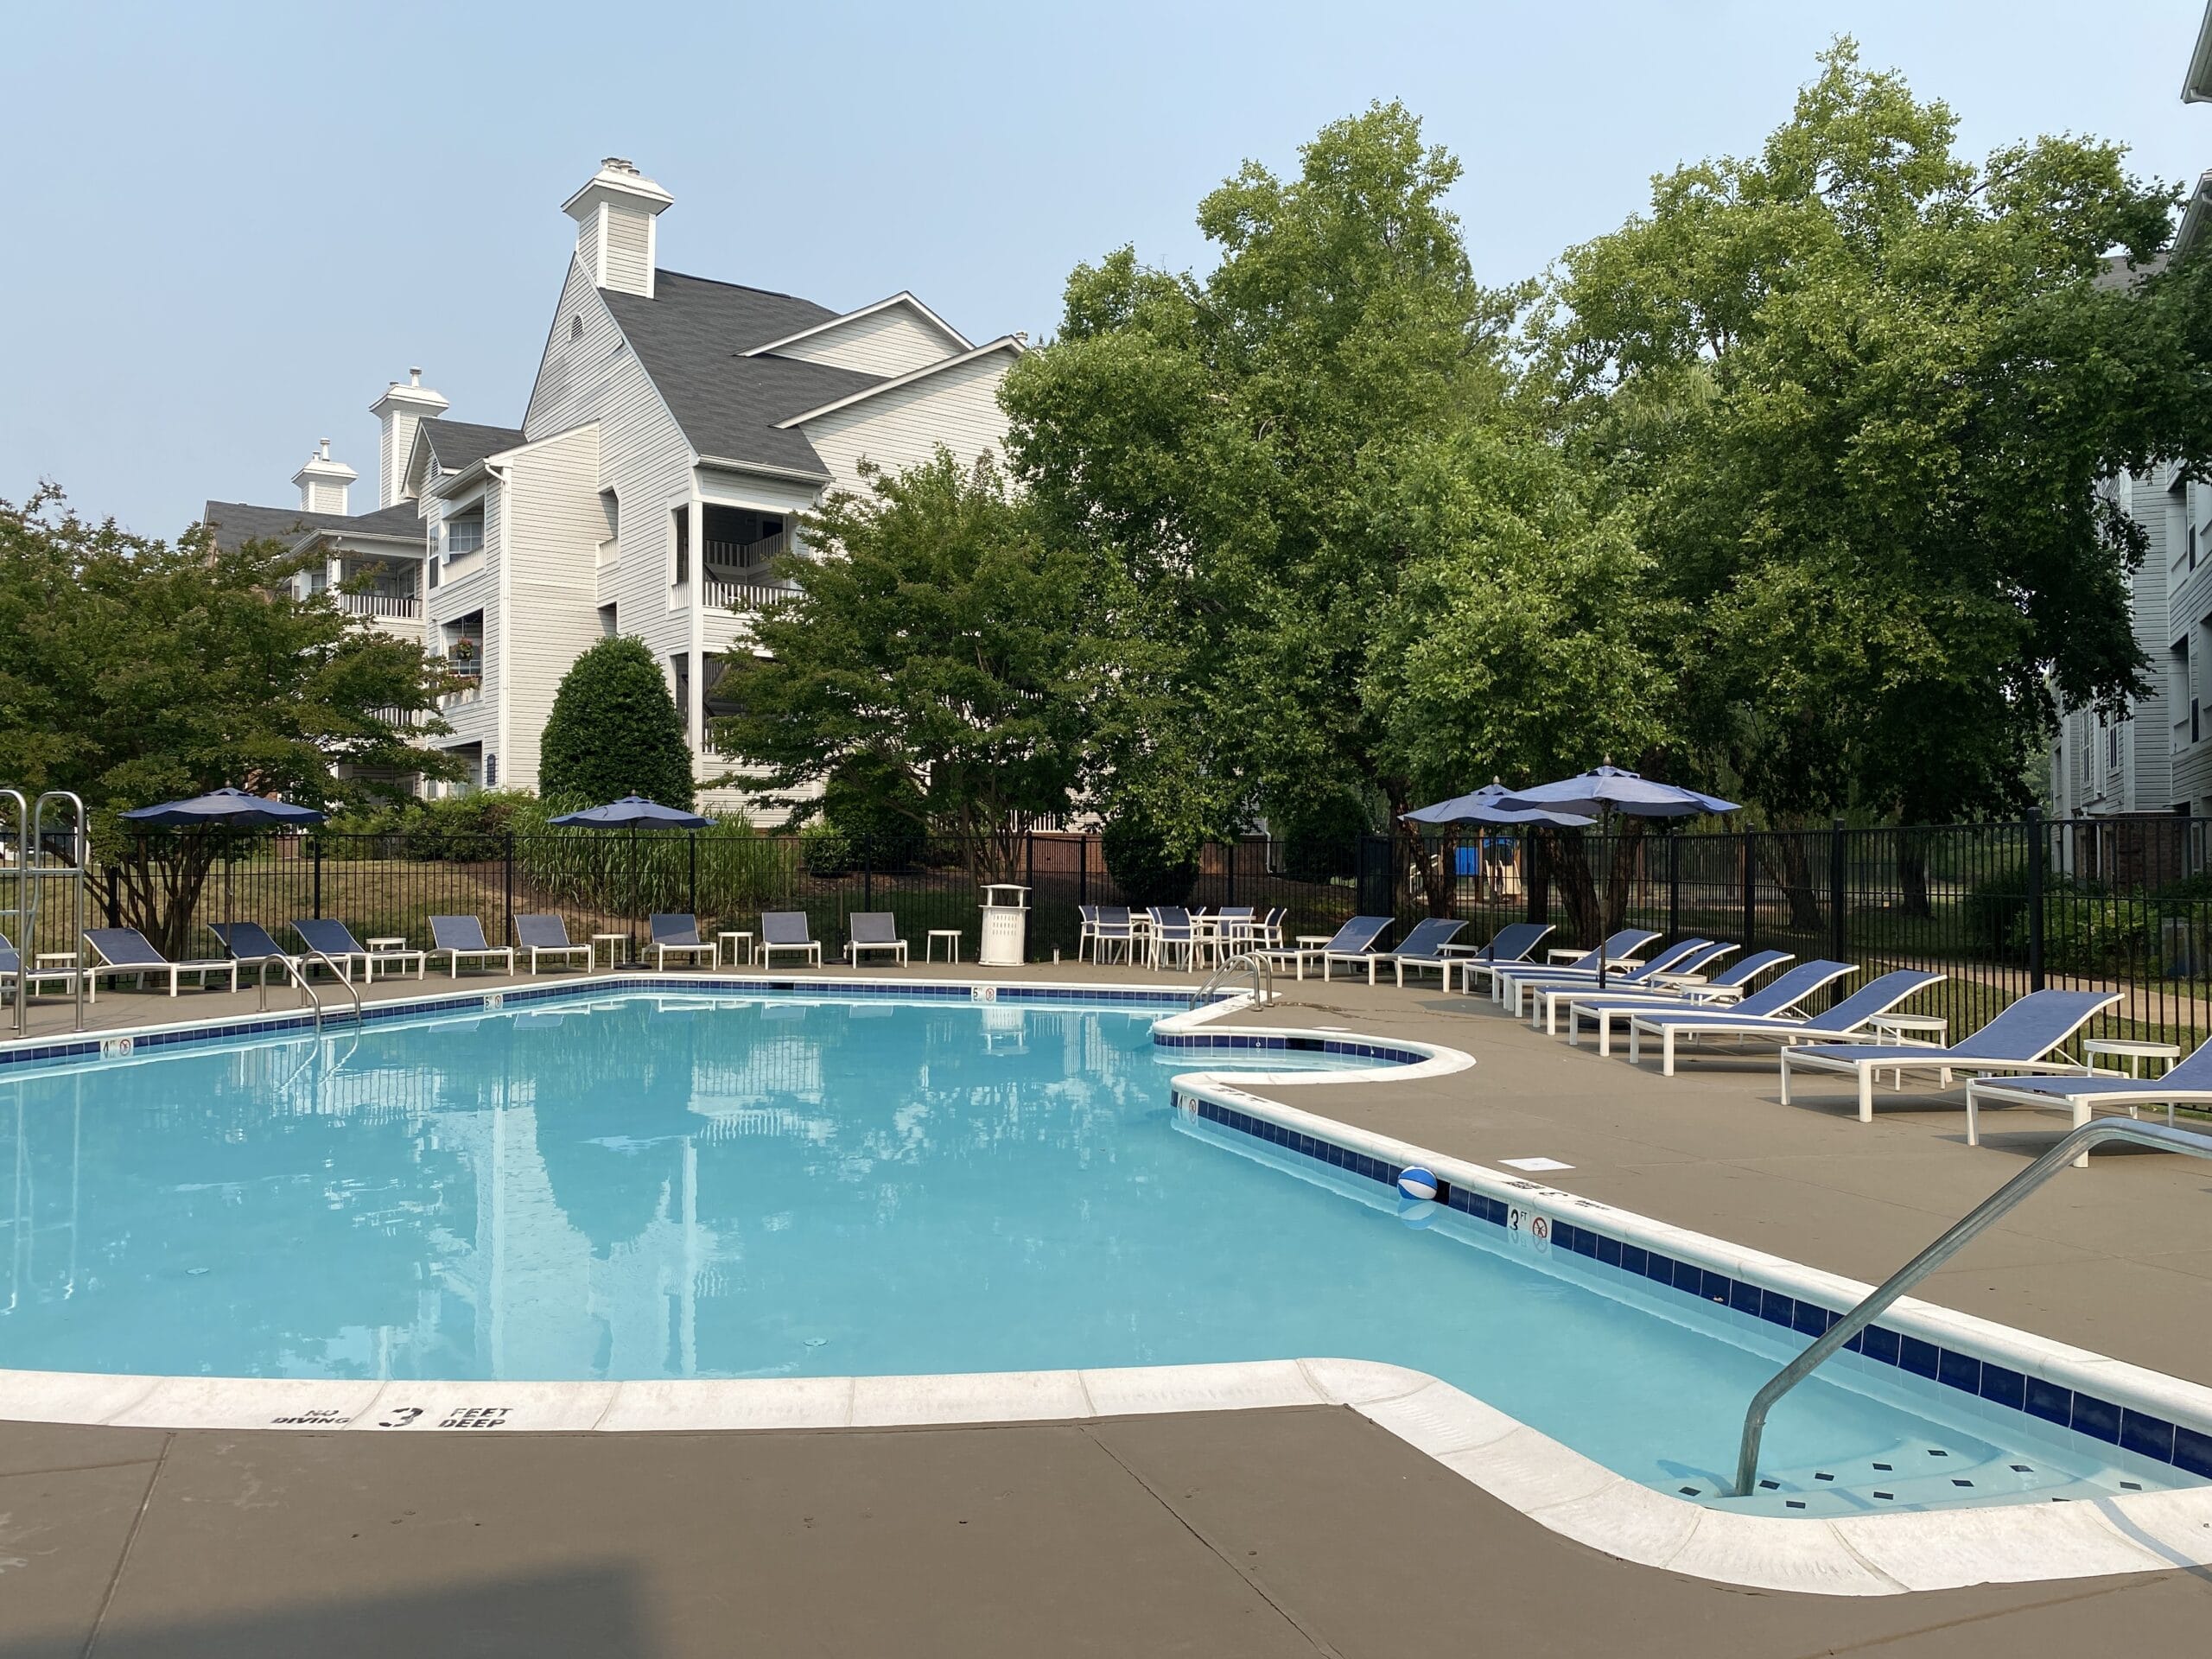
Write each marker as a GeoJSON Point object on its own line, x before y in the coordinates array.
{"type": "Point", "coordinates": [235, 523]}
{"type": "Point", "coordinates": [693, 338]}
{"type": "Point", "coordinates": [902, 298]}
{"type": "Point", "coordinates": [458, 445]}
{"type": "Point", "coordinates": [2196, 82]}
{"type": "Point", "coordinates": [1006, 343]}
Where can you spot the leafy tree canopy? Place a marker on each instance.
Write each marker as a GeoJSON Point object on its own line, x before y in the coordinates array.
{"type": "Point", "coordinates": [1857, 395]}
{"type": "Point", "coordinates": [138, 670]}
{"type": "Point", "coordinates": [614, 730]}
{"type": "Point", "coordinates": [937, 645]}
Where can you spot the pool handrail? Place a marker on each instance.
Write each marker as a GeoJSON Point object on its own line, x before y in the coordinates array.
{"type": "Point", "coordinates": [1953, 1240]}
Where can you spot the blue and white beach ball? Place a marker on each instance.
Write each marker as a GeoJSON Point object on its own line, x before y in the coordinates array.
{"type": "Point", "coordinates": [1417, 1183]}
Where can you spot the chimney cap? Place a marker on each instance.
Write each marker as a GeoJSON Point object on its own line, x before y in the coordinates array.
{"type": "Point", "coordinates": [617, 180]}
{"type": "Point", "coordinates": [410, 394]}
{"type": "Point", "coordinates": [320, 466]}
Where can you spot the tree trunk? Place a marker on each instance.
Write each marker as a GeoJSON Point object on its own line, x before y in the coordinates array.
{"type": "Point", "coordinates": [1912, 875]}
{"type": "Point", "coordinates": [1626, 847]}
{"type": "Point", "coordinates": [1782, 854]}
{"type": "Point", "coordinates": [160, 885]}
{"type": "Point", "coordinates": [1425, 860]}
{"type": "Point", "coordinates": [1566, 861]}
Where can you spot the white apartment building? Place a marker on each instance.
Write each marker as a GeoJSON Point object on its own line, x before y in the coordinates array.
{"type": "Point", "coordinates": [676, 429]}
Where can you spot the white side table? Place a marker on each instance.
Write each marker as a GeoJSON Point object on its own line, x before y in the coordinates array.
{"type": "Point", "coordinates": [391, 944]}
{"type": "Point", "coordinates": [2134, 1052]}
{"type": "Point", "coordinates": [613, 941]}
{"type": "Point", "coordinates": [727, 939]}
{"type": "Point", "coordinates": [950, 935]}
{"type": "Point", "coordinates": [1921, 1029]}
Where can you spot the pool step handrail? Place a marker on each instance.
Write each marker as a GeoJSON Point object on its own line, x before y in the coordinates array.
{"type": "Point", "coordinates": [1264, 981]}
{"type": "Point", "coordinates": [2071, 1146]}
{"type": "Point", "coordinates": [307, 992]}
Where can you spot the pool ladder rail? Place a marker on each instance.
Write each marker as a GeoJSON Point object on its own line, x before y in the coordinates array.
{"type": "Point", "coordinates": [294, 966]}
{"type": "Point", "coordinates": [1264, 981]}
{"type": "Point", "coordinates": [2073, 1145]}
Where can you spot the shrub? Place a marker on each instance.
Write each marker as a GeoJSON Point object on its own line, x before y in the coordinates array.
{"type": "Point", "coordinates": [825, 851]}
{"type": "Point", "coordinates": [1138, 859]}
{"type": "Point", "coordinates": [877, 811]}
{"type": "Point", "coordinates": [615, 731]}
{"type": "Point", "coordinates": [1319, 838]}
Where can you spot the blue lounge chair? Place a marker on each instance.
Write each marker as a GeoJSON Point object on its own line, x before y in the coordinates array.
{"type": "Point", "coordinates": [1722, 990]}
{"type": "Point", "coordinates": [2187, 1084]}
{"type": "Point", "coordinates": [548, 936]}
{"type": "Point", "coordinates": [1515, 941]}
{"type": "Point", "coordinates": [1422, 949]}
{"type": "Point", "coordinates": [1516, 989]}
{"type": "Point", "coordinates": [1355, 937]}
{"type": "Point", "coordinates": [1619, 950]}
{"type": "Point", "coordinates": [2015, 1041]}
{"type": "Point", "coordinates": [126, 950]}
{"type": "Point", "coordinates": [1678, 961]}
{"type": "Point", "coordinates": [336, 942]}
{"type": "Point", "coordinates": [1764, 1016]}
{"type": "Point", "coordinates": [674, 933]}
{"type": "Point", "coordinates": [455, 937]}
{"type": "Point", "coordinates": [251, 943]}
{"type": "Point", "coordinates": [11, 970]}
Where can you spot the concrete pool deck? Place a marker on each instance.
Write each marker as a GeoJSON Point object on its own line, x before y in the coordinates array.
{"type": "Point", "coordinates": [1305, 1529]}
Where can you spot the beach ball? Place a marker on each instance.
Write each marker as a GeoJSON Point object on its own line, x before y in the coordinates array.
{"type": "Point", "coordinates": [1417, 1183]}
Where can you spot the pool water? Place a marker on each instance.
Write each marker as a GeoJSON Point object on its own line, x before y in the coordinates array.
{"type": "Point", "coordinates": [650, 1187]}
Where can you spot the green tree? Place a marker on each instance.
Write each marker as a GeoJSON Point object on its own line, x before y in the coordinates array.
{"type": "Point", "coordinates": [1858, 394]}
{"type": "Point", "coordinates": [133, 670]}
{"type": "Point", "coordinates": [1290, 472]}
{"type": "Point", "coordinates": [938, 643]}
{"type": "Point", "coordinates": [614, 731]}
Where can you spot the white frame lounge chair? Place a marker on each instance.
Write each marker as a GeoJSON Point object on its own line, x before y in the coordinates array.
{"type": "Point", "coordinates": [1619, 951]}
{"type": "Point", "coordinates": [1514, 943]}
{"type": "Point", "coordinates": [249, 942]}
{"type": "Point", "coordinates": [2187, 1083]}
{"type": "Point", "coordinates": [337, 943]}
{"type": "Point", "coordinates": [126, 950]}
{"type": "Point", "coordinates": [451, 937]}
{"type": "Point", "coordinates": [555, 940]}
{"type": "Point", "coordinates": [678, 930]}
{"type": "Point", "coordinates": [1533, 994]}
{"type": "Point", "coordinates": [12, 968]}
{"type": "Point", "coordinates": [884, 925]}
{"type": "Point", "coordinates": [2015, 1041]}
{"type": "Point", "coordinates": [1356, 937]}
{"type": "Point", "coordinates": [786, 930]}
{"type": "Point", "coordinates": [1422, 949]}
{"type": "Point", "coordinates": [1764, 1016]}
{"type": "Point", "coordinates": [1722, 990]}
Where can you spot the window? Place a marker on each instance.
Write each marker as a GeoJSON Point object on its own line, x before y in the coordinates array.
{"type": "Point", "coordinates": [465, 532]}
{"type": "Point", "coordinates": [683, 535]}
{"type": "Point", "coordinates": [682, 663]}
{"type": "Point", "coordinates": [576, 327]}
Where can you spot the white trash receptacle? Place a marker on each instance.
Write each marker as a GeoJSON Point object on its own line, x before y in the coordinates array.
{"type": "Point", "coordinates": [1005, 925]}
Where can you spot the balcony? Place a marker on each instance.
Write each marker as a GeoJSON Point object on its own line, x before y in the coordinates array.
{"type": "Point", "coordinates": [743, 595]}
{"type": "Point", "coordinates": [404, 606]}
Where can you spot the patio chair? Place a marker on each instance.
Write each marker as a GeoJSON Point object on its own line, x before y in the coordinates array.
{"type": "Point", "coordinates": [1355, 937]}
{"type": "Point", "coordinates": [1088, 932]}
{"type": "Point", "coordinates": [1234, 927]}
{"type": "Point", "coordinates": [2187, 1083]}
{"type": "Point", "coordinates": [1422, 949]}
{"type": "Point", "coordinates": [336, 943]}
{"type": "Point", "coordinates": [1619, 950]}
{"type": "Point", "coordinates": [669, 933]}
{"type": "Point", "coordinates": [1515, 941]}
{"type": "Point", "coordinates": [1764, 1016]}
{"type": "Point", "coordinates": [1112, 927]}
{"type": "Point", "coordinates": [1266, 931]}
{"type": "Point", "coordinates": [126, 950]}
{"type": "Point", "coordinates": [786, 929]}
{"type": "Point", "coordinates": [1517, 988]}
{"type": "Point", "coordinates": [12, 969]}
{"type": "Point", "coordinates": [1721, 990]}
{"type": "Point", "coordinates": [1173, 930]}
{"type": "Point", "coordinates": [873, 930]}
{"type": "Point", "coordinates": [455, 937]}
{"type": "Point", "coordinates": [2015, 1041]}
{"type": "Point", "coordinates": [548, 936]}
{"type": "Point", "coordinates": [1676, 961]}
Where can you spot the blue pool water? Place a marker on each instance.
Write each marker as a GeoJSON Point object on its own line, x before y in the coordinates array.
{"type": "Point", "coordinates": [663, 1186]}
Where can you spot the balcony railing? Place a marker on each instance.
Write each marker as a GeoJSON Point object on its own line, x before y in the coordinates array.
{"type": "Point", "coordinates": [724, 593]}
{"type": "Point", "coordinates": [398, 604]}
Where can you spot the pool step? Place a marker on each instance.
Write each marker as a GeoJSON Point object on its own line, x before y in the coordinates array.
{"type": "Point", "coordinates": [1918, 1475]}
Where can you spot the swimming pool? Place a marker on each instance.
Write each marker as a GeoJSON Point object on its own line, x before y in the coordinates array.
{"type": "Point", "coordinates": [648, 1186]}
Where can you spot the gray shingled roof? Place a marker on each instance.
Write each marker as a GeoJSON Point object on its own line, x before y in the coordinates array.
{"type": "Point", "coordinates": [239, 522]}
{"type": "Point", "coordinates": [691, 337]}
{"type": "Point", "coordinates": [458, 445]}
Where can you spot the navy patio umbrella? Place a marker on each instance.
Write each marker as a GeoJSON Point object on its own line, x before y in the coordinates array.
{"type": "Point", "coordinates": [1608, 790]}
{"type": "Point", "coordinates": [225, 809]}
{"type": "Point", "coordinates": [631, 812]}
{"type": "Point", "coordinates": [1483, 807]}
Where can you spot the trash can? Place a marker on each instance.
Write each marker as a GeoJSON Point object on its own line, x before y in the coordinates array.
{"type": "Point", "coordinates": [1005, 925]}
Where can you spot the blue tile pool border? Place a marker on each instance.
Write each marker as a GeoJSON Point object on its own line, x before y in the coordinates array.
{"type": "Point", "coordinates": [2076, 1410]}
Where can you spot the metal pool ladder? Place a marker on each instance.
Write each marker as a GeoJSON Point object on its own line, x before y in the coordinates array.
{"type": "Point", "coordinates": [307, 992]}
{"type": "Point", "coordinates": [1251, 961]}
{"type": "Point", "coordinates": [2073, 1145]}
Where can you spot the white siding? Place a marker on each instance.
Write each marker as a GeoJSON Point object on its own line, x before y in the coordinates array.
{"type": "Point", "coordinates": [958, 408]}
{"type": "Point", "coordinates": [629, 250]}
{"type": "Point", "coordinates": [892, 341]}
{"type": "Point", "coordinates": [548, 603]}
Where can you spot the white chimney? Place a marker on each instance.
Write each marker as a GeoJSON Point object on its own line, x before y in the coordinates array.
{"type": "Point", "coordinates": [398, 412]}
{"type": "Point", "coordinates": [323, 482]}
{"type": "Point", "coordinates": [616, 215]}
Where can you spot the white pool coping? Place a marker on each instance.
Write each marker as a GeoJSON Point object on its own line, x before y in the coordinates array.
{"type": "Point", "coordinates": [1554, 1485]}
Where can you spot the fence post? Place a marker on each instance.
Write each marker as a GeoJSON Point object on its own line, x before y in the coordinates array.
{"type": "Point", "coordinates": [510, 839]}
{"type": "Point", "coordinates": [314, 848]}
{"type": "Point", "coordinates": [868, 883]}
{"type": "Point", "coordinates": [1751, 890]}
{"type": "Point", "coordinates": [1839, 928]}
{"type": "Point", "coordinates": [1673, 884]}
{"type": "Point", "coordinates": [1228, 856]}
{"type": "Point", "coordinates": [692, 848]}
{"type": "Point", "coordinates": [2036, 851]}
{"type": "Point", "coordinates": [1083, 869]}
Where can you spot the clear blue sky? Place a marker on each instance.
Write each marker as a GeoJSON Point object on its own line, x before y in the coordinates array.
{"type": "Point", "coordinates": [233, 223]}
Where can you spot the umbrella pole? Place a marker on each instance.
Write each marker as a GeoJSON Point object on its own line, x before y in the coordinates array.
{"type": "Point", "coordinates": [1605, 835]}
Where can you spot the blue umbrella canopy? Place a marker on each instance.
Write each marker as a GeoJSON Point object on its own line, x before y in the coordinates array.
{"type": "Point", "coordinates": [231, 807]}
{"type": "Point", "coordinates": [1482, 807]}
{"type": "Point", "coordinates": [1615, 789]}
{"type": "Point", "coordinates": [633, 812]}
